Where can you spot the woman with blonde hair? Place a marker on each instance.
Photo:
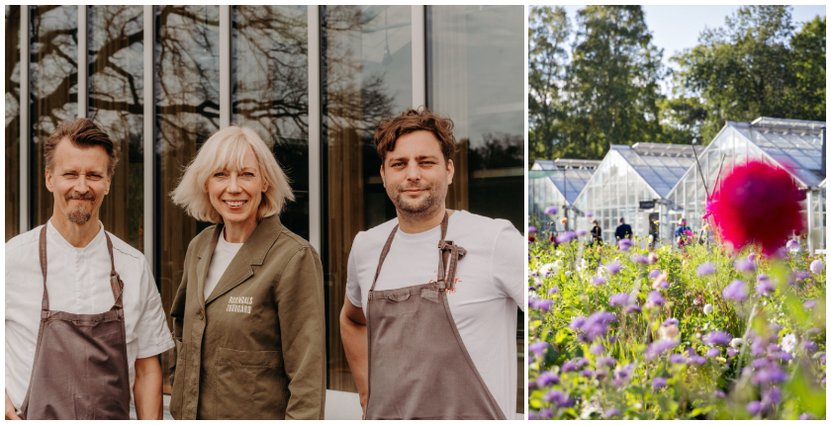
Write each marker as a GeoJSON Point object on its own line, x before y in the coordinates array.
{"type": "Point", "coordinates": [248, 318]}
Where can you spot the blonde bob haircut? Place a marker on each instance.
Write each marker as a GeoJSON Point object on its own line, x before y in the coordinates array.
{"type": "Point", "coordinates": [225, 150]}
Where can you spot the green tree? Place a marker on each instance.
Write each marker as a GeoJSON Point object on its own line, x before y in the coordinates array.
{"type": "Point", "coordinates": [741, 71]}
{"type": "Point", "coordinates": [548, 33]}
{"type": "Point", "coordinates": [807, 97]}
{"type": "Point", "coordinates": [613, 82]}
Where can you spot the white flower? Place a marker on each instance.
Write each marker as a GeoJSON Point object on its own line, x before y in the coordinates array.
{"type": "Point", "coordinates": [789, 343]}
{"type": "Point", "coordinates": [736, 342]}
{"type": "Point", "coordinates": [708, 309]}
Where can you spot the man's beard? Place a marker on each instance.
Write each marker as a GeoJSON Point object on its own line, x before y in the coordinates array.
{"type": "Point", "coordinates": [80, 215]}
{"type": "Point", "coordinates": [417, 207]}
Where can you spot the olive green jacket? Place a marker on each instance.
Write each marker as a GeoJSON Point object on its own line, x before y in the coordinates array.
{"type": "Point", "coordinates": [255, 348]}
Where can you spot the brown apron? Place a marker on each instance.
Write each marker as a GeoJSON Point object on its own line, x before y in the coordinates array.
{"type": "Point", "coordinates": [80, 367]}
{"type": "Point", "coordinates": [419, 367]}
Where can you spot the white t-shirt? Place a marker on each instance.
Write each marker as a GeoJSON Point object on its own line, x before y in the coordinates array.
{"type": "Point", "coordinates": [78, 280]}
{"type": "Point", "coordinates": [486, 298]}
{"type": "Point", "coordinates": [223, 254]}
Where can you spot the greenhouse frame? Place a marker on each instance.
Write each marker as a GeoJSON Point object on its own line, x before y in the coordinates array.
{"type": "Point", "coordinates": [632, 182]}
{"type": "Point", "coordinates": [557, 183]}
{"type": "Point", "coordinates": [795, 145]}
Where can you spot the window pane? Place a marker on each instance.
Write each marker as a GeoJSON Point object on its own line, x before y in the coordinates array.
{"type": "Point", "coordinates": [366, 73]}
{"type": "Point", "coordinates": [54, 89]}
{"type": "Point", "coordinates": [270, 93]}
{"type": "Point", "coordinates": [12, 121]}
{"type": "Point", "coordinates": [116, 102]}
{"type": "Point", "coordinates": [476, 76]}
{"type": "Point", "coordinates": [187, 113]}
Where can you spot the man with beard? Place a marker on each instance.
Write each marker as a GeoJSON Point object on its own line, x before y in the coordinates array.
{"type": "Point", "coordinates": [426, 341]}
{"type": "Point", "coordinates": [84, 320]}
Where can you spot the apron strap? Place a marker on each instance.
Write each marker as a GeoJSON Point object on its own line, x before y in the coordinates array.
{"type": "Point", "coordinates": [115, 281]}
{"type": "Point", "coordinates": [44, 303]}
{"type": "Point", "coordinates": [388, 245]}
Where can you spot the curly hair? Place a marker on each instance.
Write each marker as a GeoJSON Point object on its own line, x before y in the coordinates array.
{"type": "Point", "coordinates": [410, 121]}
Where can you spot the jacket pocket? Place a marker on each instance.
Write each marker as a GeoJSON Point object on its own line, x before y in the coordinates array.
{"type": "Point", "coordinates": [250, 384]}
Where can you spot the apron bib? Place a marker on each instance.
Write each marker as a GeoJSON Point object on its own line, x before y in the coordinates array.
{"type": "Point", "coordinates": [422, 369]}
{"type": "Point", "coordinates": [80, 367]}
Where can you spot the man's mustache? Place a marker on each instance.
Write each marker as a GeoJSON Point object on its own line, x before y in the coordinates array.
{"type": "Point", "coordinates": [77, 196]}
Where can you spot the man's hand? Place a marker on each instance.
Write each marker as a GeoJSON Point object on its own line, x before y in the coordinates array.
{"type": "Point", "coordinates": [354, 336]}
{"type": "Point", "coordinates": [11, 411]}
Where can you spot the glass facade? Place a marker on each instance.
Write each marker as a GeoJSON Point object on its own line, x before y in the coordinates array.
{"type": "Point", "coordinates": [557, 183]}
{"type": "Point", "coordinates": [795, 144]}
{"type": "Point", "coordinates": [162, 79]}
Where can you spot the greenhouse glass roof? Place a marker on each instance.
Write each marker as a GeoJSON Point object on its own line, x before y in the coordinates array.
{"type": "Point", "coordinates": [661, 165]}
{"type": "Point", "coordinates": [568, 175]}
{"type": "Point", "coordinates": [795, 144]}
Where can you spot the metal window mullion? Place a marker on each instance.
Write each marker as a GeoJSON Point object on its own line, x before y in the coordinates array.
{"type": "Point", "coordinates": [83, 60]}
{"type": "Point", "coordinates": [149, 135]}
{"type": "Point", "coordinates": [23, 108]}
{"type": "Point", "coordinates": [419, 55]}
{"type": "Point", "coordinates": [314, 112]}
{"type": "Point", "coordinates": [224, 66]}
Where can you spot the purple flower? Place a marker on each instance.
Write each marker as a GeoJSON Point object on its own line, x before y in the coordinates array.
{"type": "Point", "coordinates": [731, 352]}
{"type": "Point", "coordinates": [736, 291]}
{"type": "Point", "coordinates": [677, 359]}
{"type": "Point", "coordinates": [640, 259]}
{"type": "Point", "coordinates": [553, 290]}
{"type": "Point", "coordinates": [566, 237]}
{"type": "Point", "coordinates": [532, 230]}
{"type": "Point", "coordinates": [624, 244]}
{"type": "Point", "coordinates": [654, 298]}
{"type": "Point", "coordinates": [659, 347]}
{"type": "Point", "coordinates": [810, 346]}
{"type": "Point", "coordinates": [810, 304]}
{"type": "Point", "coordinates": [538, 348]}
{"type": "Point", "coordinates": [609, 362]}
{"type": "Point", "coordinates": [772, 396]}
{"type": "Point", "coordinates": [619, 300]}
{"type": "Point", "coordinates": [623, 374]}
{"type": "Point", "coordinates": [717, 338]}
{"type": "Point", "coordinates": [659, 383]}
{"type": "Point", "coordinates": [598, 280]}
{"type": "Point", "coordinates": [801, 275]}
{"type": "Point", "coordinates": [713, 352]}
{"type": "Point", "coordinates": [769, 374]}
{"type": "Point", "coordinates": [792, 245]}
{"type": "Point", "coordinates": [559, 398]}
{"type": "Point", "coordinates": [719, 394]}
{"type": "Point", "coordinates": [547, 379]}
{"type": "Point", "coordinates": [764, 286]}
{"type": "Point", "coordinates": [671, 322]}
{"type": "Point", "coordinates": [654, 273]}
{"type": "Point", "coordinates": [587, 373]}
{"type": "Point", "coordinates": [754, 407]}
{"type": "Point", "coordinates": [571, 366]}
{"type": "Point", "coordinates": [589, 214]}
{"type": "Point", "coordinates": [613, 266]}
{"type": "Point", "coordinates": [705, 269]}
{"type": "Point", "coordinates": [550, 210]}
{"type": "Point", "coordinates": [581, 232]}
{"type": "Point", "coordinates": [806, 417]}
{"type": "Point", "coordinates": [596, 349]}
{"type": "Point", "coordinates": [595, 326]}
{"type": "Point", "coordinates": [632, 308]}
{"type": "Point", "coordinates": [611, 413]}
{"type": "Point", "coordinates": [817, 266]}
{"type": "Point", "coordinates": [745, 266]}
{"type": "Point", "coordinates": [541, 305]}
{"type": "Point", "coordinates": [544, 413]}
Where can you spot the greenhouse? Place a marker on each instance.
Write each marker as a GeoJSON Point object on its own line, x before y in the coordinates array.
{"type": "Point", "coordinates": [557, 183]}
{"type": "Point", "coordinates": [632, 182]}
{"type": "Point", "coordinates": [795, 145]}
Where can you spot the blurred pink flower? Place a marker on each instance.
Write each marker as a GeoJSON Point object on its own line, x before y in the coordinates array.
{"type": "Point", "coordinates": [757, 203]}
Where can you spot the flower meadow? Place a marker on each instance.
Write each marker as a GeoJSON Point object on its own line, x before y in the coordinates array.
{"type": "Point", "coordinates": [617, 331]}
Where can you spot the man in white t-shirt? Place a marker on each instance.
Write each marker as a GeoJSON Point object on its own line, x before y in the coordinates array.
{"type": "Point", "coordinates": [84, 320]}
{"type": "Point", "coordinates": [429, 321]}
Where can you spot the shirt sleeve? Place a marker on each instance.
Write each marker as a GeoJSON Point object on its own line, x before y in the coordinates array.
{"type": "Point", "coordinates": [353, 285]}
{"type": "Point", "coordinates": [300, 307]}
{"type": "Point", "coordinates": [508, 264]}
{"type": "Point", "coordinates": [152, 331]}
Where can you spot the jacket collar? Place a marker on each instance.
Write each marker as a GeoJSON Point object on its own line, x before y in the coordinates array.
{"type": "Point", "coordinates": [251, 254]}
